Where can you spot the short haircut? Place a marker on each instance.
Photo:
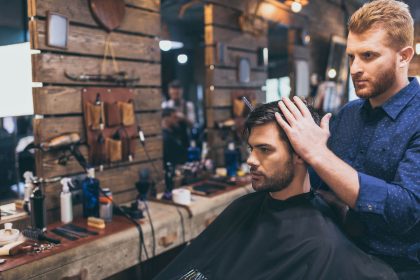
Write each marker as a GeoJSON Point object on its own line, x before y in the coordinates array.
{"type": "Point", "coordinates": [391, 15]}
{"type": "Point", "coordinates": [167, 112]}
{"type": "Point", "coordinates": [265, 113]}
{"type": "Point", "coordinates": [175, 84]}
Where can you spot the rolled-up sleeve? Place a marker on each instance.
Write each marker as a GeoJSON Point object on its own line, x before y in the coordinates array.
{"type": "Point", "coordinates": [397, 201]}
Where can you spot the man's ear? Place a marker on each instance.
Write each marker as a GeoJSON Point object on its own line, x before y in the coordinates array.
{"type": "Point", "coordinates": [297, 159]}
{"type": "Point", "coordinates": [404, 56]}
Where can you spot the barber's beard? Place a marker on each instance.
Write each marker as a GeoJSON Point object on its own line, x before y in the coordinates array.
{"type": "Point", "coordinates": [384, 80]}
{"type": "Point", "coordinates": [277, 182]}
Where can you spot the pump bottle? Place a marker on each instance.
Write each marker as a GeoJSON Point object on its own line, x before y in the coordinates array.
{"type": "Point", "coordinates": [65, 202]}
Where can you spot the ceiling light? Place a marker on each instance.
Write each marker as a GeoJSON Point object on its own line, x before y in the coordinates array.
{"type": "Point", "coordinates": [332, 73]}
{"type": "Point", "coordinates": [418, 48]}
{"type": "Point", "coordinates": [166, 45]}
{"type": "Point", "coordinates": [296, 7]}
{"type": "Point", "coordinates": [182, 58]}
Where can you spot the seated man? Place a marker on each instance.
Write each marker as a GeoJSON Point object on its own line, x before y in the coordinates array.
{"type": "Point", "coordinates": [282, 231]}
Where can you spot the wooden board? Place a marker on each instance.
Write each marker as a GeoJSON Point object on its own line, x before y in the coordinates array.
{"type": "Point", "coordinates": [47, 128]}
{"type": "Point", "coordinates": [232, 38]}
{"type": "Point", "coordinates": [231, 57]}
{"type": "Point", "coordinates": [49, 167]}
{"type": "Point", "coordinates": [222, 97]}
{"type": "Point", "coordinates": [120, 180]}
{"type": "Point", "coordinates": [219, 15]}
{"type": "Point", "coordinates": [152, 5]}
{"type": "Point", "coordinates": [228, 78]}
{"type": "Point", "coordinates": [55, 100]}
{"type": "Point", "coordinates": [49, 68]}
{"type": "Point", "coordinates": [88, 41]}
{"type": "Point", "coordinates": [136, 20]}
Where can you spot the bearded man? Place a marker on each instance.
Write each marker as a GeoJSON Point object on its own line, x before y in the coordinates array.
{"type": "Point", "coordinates": [281, 231]}
{"type": "Point", "coordinates": [372, 159]}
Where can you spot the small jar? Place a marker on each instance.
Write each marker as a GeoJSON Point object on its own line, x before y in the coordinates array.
{"type": "Point", "coordinates": [105, 205]}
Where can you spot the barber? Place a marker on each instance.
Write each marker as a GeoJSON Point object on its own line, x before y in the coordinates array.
{"type": "Point", "coordinates": [372, 159]}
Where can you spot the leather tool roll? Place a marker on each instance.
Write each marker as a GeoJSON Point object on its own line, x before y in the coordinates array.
{"type": "Point", "coordinates": [128, 116]}
{"type": "Point", "coordinates": [95, 116]}
{"type": "Point", "coordinates": [113, 114]}
{"type": "Point", "coordinates": [114, 149]}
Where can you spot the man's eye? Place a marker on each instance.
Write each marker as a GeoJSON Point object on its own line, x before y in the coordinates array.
{"type": "Point", "coordinates": [368, 55]}
{"type": "Point", "coordinates": [264, 150]}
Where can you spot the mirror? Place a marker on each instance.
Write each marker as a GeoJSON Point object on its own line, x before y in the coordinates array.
{"type": "Point", "coordinates": [337, 60]}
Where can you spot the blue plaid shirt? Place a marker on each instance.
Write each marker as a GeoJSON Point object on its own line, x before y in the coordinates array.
{"type": "Point", "coordinates": [383, 145]}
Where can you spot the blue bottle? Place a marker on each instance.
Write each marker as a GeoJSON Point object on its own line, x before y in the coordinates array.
{"type": "Point", "coordinates": [193, 152]}
{"type": "Point", "coordinates": [90, 187]}
{"type": "Point", "coordinates": [231, 160]}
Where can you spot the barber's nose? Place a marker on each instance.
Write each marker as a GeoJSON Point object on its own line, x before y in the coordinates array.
{"type": "Point", "coordinates": [356, 67]}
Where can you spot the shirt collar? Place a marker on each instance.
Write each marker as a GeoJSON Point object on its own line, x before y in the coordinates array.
{"type": "Point", "coordinates": [396, 103]}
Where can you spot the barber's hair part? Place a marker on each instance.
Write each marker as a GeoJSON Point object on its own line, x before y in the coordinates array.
{"type": "Point", "coordinates": [265, 113]}
{"type": "Point", "coordinates": [175, 84]}
{"type": "Point", "coordinates": [391, 15]}
{"type": "Point", "coordinates": [167, 112]}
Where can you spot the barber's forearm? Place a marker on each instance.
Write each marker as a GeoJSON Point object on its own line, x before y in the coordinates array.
{"type": "Point", "coordinates": [338, 175]}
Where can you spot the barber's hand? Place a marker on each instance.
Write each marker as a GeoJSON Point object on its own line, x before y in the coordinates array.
{"type": "Point", "coordinates": [307, 138]}
{"type": "Point", "coordinates": [180, 115]}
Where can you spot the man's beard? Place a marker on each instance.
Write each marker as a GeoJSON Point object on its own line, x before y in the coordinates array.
{"type": "Point", "coordinates": [382, 83]}
{"type": "Point", "coordinates": [277, 182]}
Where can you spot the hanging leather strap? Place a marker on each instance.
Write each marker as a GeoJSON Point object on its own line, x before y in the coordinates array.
{"type": "Point", "coordinates": [109, 52]}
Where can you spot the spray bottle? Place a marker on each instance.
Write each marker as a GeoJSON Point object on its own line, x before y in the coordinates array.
{"type": "Point", "coordinates": [28, 175]}
{"type": "Point", "coordinates": [65, 201]}
{"type": "Point", "coordinates": [90, 187]}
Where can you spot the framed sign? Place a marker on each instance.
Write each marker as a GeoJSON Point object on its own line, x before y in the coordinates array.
{"type": "Point", "coordinates": [57, 30]}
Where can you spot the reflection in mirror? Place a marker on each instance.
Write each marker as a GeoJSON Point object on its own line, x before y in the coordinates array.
{"type": "Point", "coordinates": [15, 158]}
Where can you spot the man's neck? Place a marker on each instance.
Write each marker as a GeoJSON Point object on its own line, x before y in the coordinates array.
{"type": "Point", "coordinates": [393, 90]}
{"type": "Point", "coordinates": [300, 184]}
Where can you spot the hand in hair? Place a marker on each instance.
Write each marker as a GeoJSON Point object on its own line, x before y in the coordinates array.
{"type": "Point", "coordinates": [307, 138]}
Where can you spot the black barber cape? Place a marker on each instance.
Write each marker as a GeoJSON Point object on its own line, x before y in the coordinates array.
{"type": "Point", "coordinates": [258, 237]}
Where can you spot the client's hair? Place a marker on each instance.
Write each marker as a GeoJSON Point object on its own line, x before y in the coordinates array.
{"type": "Point", "coordinates": [264, 113]}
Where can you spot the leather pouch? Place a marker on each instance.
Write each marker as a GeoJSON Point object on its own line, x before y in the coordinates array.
{"type": "Point", "coordinates": [128, 117]}
{"type": "Point", "coordinates": [128, 144]}
{"type": "Point", "coordinates": [113, 114]}
{"type": "Point", "coordinates": [114, 149]}
{"type": "Point", "coordinates": [95, 117]}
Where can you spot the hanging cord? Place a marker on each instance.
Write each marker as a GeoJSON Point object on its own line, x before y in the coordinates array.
{"type": "Point", "coordinates": [152, 228]}
{"type": "Point", "coordinates": [182, 223]}
{"type": "Point", "coordinates": [138, 226]}
{"type": "Point", "coordinates": [109, 51]}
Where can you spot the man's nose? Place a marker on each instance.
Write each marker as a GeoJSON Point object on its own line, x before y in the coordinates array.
{"type": "Point", "coordinates": [252, 160]}
{"type": "Point", "coordinates": [356, 67]}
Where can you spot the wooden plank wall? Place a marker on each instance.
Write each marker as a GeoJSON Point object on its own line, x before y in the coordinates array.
{"type": "Point", "coordinates": [222, 26]}
{"type": "Point", "coordinates": [414, 69]}
{"type": "Point", "coordinates": [58, 102]}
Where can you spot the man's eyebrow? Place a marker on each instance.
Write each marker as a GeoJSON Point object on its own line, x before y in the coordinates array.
{"type": "Point", "coordinates": [263, 146]}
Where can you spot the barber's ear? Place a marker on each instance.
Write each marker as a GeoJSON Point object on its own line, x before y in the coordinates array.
{"type": "Point", "coordinates": [404, 56]}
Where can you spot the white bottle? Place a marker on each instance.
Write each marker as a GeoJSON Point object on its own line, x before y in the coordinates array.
{"type": "Point", "coordinates": [28, 175]}
{"type": "Point", "coordinates": [65, 202]}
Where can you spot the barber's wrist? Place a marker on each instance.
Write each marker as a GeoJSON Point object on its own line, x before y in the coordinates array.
{"type": "Point", "coordinates": [318, 156]}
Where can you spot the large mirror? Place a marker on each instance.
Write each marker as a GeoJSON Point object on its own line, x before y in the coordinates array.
{"type": "Point", "coordinates": [16, 107]}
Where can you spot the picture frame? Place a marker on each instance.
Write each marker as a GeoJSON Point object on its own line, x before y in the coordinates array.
{"type": "Point", "coordinates": [57, 30]}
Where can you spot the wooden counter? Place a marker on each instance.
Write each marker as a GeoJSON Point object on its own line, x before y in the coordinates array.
{"type": "Point", "coordinates": [116, 248]}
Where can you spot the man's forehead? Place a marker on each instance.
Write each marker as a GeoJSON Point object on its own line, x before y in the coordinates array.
{"type": "Point", "coordinates": [264, 134]}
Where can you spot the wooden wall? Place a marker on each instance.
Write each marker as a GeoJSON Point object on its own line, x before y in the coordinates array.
{"type": "Point", "coordinates": [415, 63]}
{"type": "Point", "coordinates": [222, 26]}
{"type": "Point", "coordinates": [58, 103]}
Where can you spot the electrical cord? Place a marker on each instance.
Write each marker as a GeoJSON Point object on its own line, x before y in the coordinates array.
{"type": "Point", "coordinates": [152, 228]}
{"type": "Point", "coordinates": [138, 226]}
{"type": "Point", "coordinates": [182, 223]}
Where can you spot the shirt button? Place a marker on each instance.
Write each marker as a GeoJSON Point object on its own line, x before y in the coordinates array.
{"type": "Point", "coordinates": [370, 207]}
